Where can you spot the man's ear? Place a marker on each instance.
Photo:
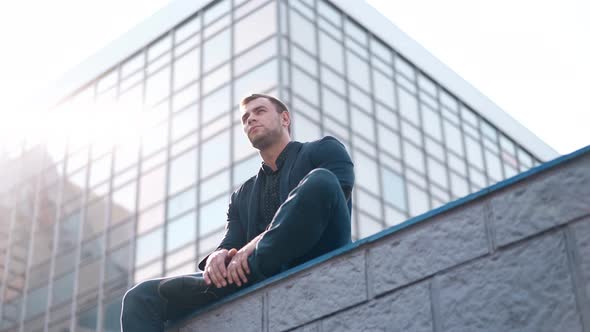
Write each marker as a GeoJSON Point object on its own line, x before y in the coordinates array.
{"type": "Point", "coordinates": [286, 118]}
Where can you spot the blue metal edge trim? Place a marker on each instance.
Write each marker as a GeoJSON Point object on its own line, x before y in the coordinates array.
{"type": "Point", "coordinates": [386, 232]}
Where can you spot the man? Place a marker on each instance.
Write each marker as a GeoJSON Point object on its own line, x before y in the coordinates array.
{"type": "Point", "coordinates": [296, 208]}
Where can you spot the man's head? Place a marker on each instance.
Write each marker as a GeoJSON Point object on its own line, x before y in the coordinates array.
{"type": "Point", "coordinates": [265, 120]}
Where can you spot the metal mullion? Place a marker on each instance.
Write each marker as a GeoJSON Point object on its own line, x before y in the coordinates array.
{"type": "Point", "coordinates": [464, 145]}
{"type": "Point", "coordinates": [232, 24]}
{"type": "Point", "coordinates": [200, 125]}
{"type": "Point", "coordinates": [8, 253]}
{"type": "Point", "coordinates": [421, 130]}
{"type": "Point", "coordinates": [348, 113]}
{"type": "Point", "coordinates": [398, 132]}
{"type": "Point", "coordinates": [102, 275]}
{"type": "Point", "coordinates": [31, 242]}
{"type": "Point", "coordinates": [133, 240]}
{"type": "Point", "coordinates": [318, 64]}
{"type": "Point", "coordinates": [59, 201]}
{"type": "Point", "coordinates": [168, 148]}
{"type": "Point", "coordinates": [78, 247]}
{"type": "Point", "coordinates": [376, 138]}
{"type": "Point", "coordinates": [444, 145]}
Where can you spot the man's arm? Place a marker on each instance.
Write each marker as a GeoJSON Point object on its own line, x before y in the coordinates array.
{"type": "Point", "coordinates": [215, 265]}
{"type": "Point", "coordinates": [330, 154]}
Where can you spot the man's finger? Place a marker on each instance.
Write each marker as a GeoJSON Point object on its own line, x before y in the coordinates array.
{"type": "Point", "coordinates": [234, 276]}
{"type": "Point", "coordinates": [245, 265]}
{"type": "Point", "coordinates": [242, 274]}
{"type": "Point", "coordinates": [206, 277]}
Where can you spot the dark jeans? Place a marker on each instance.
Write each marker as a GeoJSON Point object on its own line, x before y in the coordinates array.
{"type": "Point", "coordinates": [312, 221]}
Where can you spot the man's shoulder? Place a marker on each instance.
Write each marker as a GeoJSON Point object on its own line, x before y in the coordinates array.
{"type": "Point", "coordinates": [246, 186]}
{"type": "Point", "coordinates": [324, 140]}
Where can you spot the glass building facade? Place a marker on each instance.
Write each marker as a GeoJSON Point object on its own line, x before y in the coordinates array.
{"type": "Point", "coordinates": [141, 189]}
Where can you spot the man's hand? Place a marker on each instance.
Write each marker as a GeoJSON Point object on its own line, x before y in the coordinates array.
{"type": "Point", "coordinates": [238, 268]}
{"type": "Point", "coordinates": [215, 269]}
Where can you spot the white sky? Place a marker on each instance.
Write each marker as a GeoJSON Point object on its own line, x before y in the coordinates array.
{"type": "Point", "coordinates": [529, 56]}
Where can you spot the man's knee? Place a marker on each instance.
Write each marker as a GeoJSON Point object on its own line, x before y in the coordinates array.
{"type": "Point", "coordinates": [140, 293]}
{"type": "Point", "coordinates": [322, 178]}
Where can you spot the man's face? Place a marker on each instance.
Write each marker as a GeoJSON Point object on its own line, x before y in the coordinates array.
{"type": "Point", "coordinates": [262, 123]}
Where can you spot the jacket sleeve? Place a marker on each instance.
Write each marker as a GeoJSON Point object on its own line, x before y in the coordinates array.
{"type": "Point", "coordinates": [329, 153]}
{"type": "Point", "coordinates": [235, 235]}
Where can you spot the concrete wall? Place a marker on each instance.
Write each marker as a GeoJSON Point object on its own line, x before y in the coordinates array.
{"type": "Point", "coordinates": [514, 257]}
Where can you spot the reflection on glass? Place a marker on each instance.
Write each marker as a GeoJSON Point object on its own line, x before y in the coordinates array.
{"type": "Point", "coordinates": [152, 187]}
{"type": "Point", "coordinates": [305, 86]}
{"type": "Point", "coordinates": [306, 130]}
{"type": "Point", "coordinates": [149, 246]}
{"type": "Point", "coordinates": [186, 68]}
{"type": "Point", "coordinates": [246, 169]}
{"type": "Point", "coordinates": [259, 80]}
{"type": "Point", "coordinates": [215, 154]}
{"type": "Point", "coordinates": [366, 172]}
{"type": "Point", "coordinates": [62, 288]}
{"type": "Point", "coordinates": [87, 320]}
{"type": "Point", "coordinates": [182, 202]}
{"type": "Point", "coordinates": [215, 104]}
{"type": "Point", "coordinates": [214, 186]}
{"type": "Point", "coordinates": [302, 32]}
{"type": "Point", "coordinates": [255, 27]}
{"type": "Point", "coordinates": [216, 50]}
{"type": "Point", "coordinates": [36, 301]}
{"type": "Point", "coordinates": [184, 122]}
{"type": "Point", "coordinates": [157, 86]}
{"type": "Point", "coordinates": [95, 220]}
{"type": "Point", "coordinates": [216, 78]}
{"type": "Point", "coordinates": [181, 231]}
{"type": "Point", "coordinates": [255, 56]}
{"type": "Point", "coordinates": [123, 202]}
{"type": "Point", "coordinates": [150, 218]}
{"type": "Point", "coordinates": [213, 216]}
{"type": "Point", "coordinates": [393, 189]}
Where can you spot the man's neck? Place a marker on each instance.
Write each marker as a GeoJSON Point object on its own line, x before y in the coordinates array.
{"type": "Point", "coordinates": [271, 153]}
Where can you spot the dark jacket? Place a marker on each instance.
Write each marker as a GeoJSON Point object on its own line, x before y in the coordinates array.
{"type": "Point", "coordinates": [242, 213]}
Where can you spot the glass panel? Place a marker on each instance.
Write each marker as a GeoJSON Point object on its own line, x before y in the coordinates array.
{"type": "Point", "coordinates": [362, 123]}
{"type": "Point", "coordinates": [152, 187]}
{"type": "Point", "coordinates": [437, 172]}
{"type": "Point", "coordinates": [112, 314]}
{"type": "Point", "coordinates": [414, 157]}
{"type": "Point", "coordinates": [384, 89]}
{"type": "Point", "coordinates": [68, 231]}
{"type": "Point", "coordinates": [183, 171]}
{"type": "Point", "coordinates": [246, 169]}
{"type": "Point", "coordinates": [150, 218]}
{"type": "Point", "coordinates": [62, 288]}
{"type": "Point", "coordinates": [358, 71]}
{"type": "Point", "coordinates": [215, 79]}
{"type": "Point", "coordinates": [158, 86]}
{"type": "Point", "coordinates": [394, 189]}
{"type": "Point", "coordinates": [255, 56]}
{"type": "Point", "coordinates": [149, 246]}
{"type": "Point", "coordinates": [215, 104]}
{"type": "Point", "coordinates": [187, 96]}
{"type": "Point", "coordinates": [389, 141]}
{"type": "Point", "coordinates": [334, 105]}
{"type": "Point", "coordinates": [494, 165]}
{"type": "Point", "coordinates": [255, 27]}
{"type": "Point", "coordinates": [431, 122]}
{"type": "Point", "coordinates": [186, 68]}
{"type": "Point", "coordinates": [366, 172]}
{"type": "Point", "coordinates": [117, 265]}
{"type": "Point", "coordinates": [215, 154]}
{"type": "Point", "coordinates": [474, 153]}
{"type": "Point", "coordinates": [214, 186]}
{"type": "Point", "coordinates": [302, 32]}
{"type": "Point", "coordinates": [355, 31]}
{"type": "Point", "coordinates": [459, 186]}
{"type": "Point", "coordinates": [408, 106]}
{"type": "Point", "coordinates": [181, 231]}
{"type": "Point", "coordinates": [306, 130]}
{"type": "Point", "coordinates": [213, 216]}
{"type": "Point", "coordinates": [258, 80]}
{"type": "Point", "coordinates": [329, 12]}
{"type": "Point", "coordinates": [453, 137]}
{"type": "Point", "coordinates": [305, 86]}
{"type": "Point", "coordinates": [216, 10]}
{"type": "Point", "coordinates": [95, 220]}
{"type": "Point", "coordinates": [331, 52]}
{"type": "Point", "coordinates": [216, 50]}
{"type": "Point", "coordinates": [88, 277]}
{"type": "Point", "coordinates": [87, 320]}
{"type": "Point", "coordinates": [155, 138]}
{"type": "Point", "coordinates": [418, 200]}
{"type": "Point", "coordinates": [184, 255]}
{"type": "Point", "coordinates": [182, 202]}
{"type": "Point", "coordinates": [36, 301]}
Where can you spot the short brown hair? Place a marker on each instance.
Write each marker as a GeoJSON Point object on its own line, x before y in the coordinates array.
{"type": "Point", "coordinates": [279, 105]}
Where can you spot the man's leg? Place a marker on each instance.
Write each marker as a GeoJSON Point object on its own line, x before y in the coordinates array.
{"type": "Point", "coordinates": [144, 309]}
{"type": "Point", "coordinates": [312, 221]}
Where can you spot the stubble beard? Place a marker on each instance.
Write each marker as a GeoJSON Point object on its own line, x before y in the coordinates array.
{"type": "Point", "coordinates": [265, 140]}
